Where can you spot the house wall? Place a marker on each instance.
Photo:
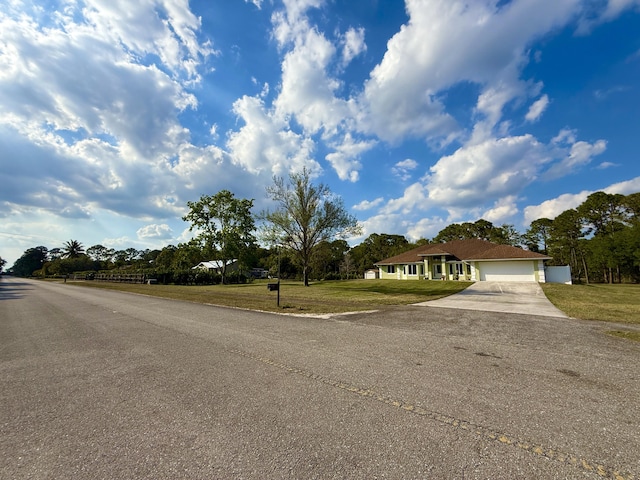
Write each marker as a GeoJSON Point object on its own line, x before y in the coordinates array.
{"type": "Point", "coordinates": [383, 272]}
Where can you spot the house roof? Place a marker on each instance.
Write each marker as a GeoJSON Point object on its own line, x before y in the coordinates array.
{"type": "Point", "coordinates": [471, 249]}
{"type": "Point", "coordinates": [214, 264]}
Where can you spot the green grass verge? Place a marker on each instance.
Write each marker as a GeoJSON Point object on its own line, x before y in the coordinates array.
{"type": "Point", "coordinates": [320, 297]}
{"type": "Point", "coordinates": [602, 302]}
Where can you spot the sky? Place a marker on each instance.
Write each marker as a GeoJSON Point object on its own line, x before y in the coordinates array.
{"type": "Point", "coordinates": [418, 114]}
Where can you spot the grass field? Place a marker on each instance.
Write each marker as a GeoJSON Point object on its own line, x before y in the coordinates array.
{"type": "Point", "coordinates": [320, 297]}
{"type": "Point", "coordinates": [602, 302]}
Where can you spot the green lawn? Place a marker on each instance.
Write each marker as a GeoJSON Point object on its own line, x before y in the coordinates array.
{"type": "Point", "coordinates": [603, 302]}
{"type": "Point", "coordinates": [320, 297]}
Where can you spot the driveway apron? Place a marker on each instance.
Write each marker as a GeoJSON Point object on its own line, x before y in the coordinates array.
{"type": "Point", "coordinates": [509, 297]}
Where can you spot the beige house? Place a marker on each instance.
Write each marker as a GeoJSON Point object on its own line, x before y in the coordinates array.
{"type": "Point", "coordinates": [471, 260]}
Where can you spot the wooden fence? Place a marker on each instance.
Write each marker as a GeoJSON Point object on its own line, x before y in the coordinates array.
{"type": "Point", "coordinates": [121, 277]}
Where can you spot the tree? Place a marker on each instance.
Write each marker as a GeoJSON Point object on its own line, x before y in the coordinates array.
{"type": "Point", "coordinates": [537, 236]}
{"type": "Point", "coordinates": [72, 249]}
{"type": "Point", "coordinates": [482, 229]}
{"type": "Point", "coordinates": [327, 258]}
{"type": "Point", "coordinates": [3, 262]}
{"type": "Point", "coordinates": [31, 260]}
{"type": "Point", "coordinates": [55, 254]}
{"type": "Point", "coordinates": [602, 213]}
{"type": "Point", "coordinates": [566, 244]}
{"type": "Point", "coordinates": [631, 204]}
{"type": "Point", "coordinates": [225, 224]}
{"type": "Point", "coordinates": [307, 214]}
{"type": "Point", "coordinates": [377, 247]}
{"type": "Point", "coordinates": [100, 253]}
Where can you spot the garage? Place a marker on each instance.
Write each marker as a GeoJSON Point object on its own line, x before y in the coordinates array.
{"type": "Point", "coordinates": [507, 271]}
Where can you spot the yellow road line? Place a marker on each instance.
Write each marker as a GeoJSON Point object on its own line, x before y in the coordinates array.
{"type": "Point", "coordinates": [538, 450]}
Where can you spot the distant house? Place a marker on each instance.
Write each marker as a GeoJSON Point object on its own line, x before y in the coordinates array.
{"type": "Point", "coordinates": [216, 266]}
{"type": "Point", "coordinates": [371, 274]}
{"type": "Point", "coordinates": [471, 260]}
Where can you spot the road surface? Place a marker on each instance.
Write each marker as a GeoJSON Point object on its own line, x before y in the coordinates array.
{"type": "Point", "coordinates": [106, 385]}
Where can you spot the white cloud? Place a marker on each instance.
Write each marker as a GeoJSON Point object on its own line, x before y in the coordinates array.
{"type": "Point", "coordinates": [404, 168]}
{"type": "Point", "coordinates": [102, 127]}
{"type": "Point", "coordinates": [503, 210]}
{"type": "Point", "coordinates": [257, 3]}
{"type": "Point", "coordinates": [605, 165]}
{"type": "Point", "coordinates": [384, 223]}
{"type": "Point", "coordinates": [447, 42]}
{"type": "Point", "coordinates": [308, 96]}
{"type": "Point", "coordinates": [581, 153]}
{"type": "Point", "coordinates": [479, 173]}
{"type": "Point", "coordinates": [554, 207]}
{"type": "Point", "coordinates": [425, 228]}
{"type": "Point", "coordinates": [566, 135]}
{"type": "Point", "coordinates": [624, 188]}
{"type": "Point", "coordinates": [353, 45]}
{"type": "Point", "coordinates": [415, 197]}
{"type": "Point", "coordinates": [368, 205]}
{"type": "Point", "coordinates": [308, 91]}
{"type": "Point", "coordinates": [345, 159]}
{"type": "Point", "coordinates": [266, 143]}
{"type": "Point", "coordinates": [602, 12]}
{"type": "Point", "coordinates": [155, 232]}
{"type": "Point", "coordinates": [537, 109]}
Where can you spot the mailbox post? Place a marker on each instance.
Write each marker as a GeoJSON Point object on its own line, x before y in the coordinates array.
{"type": "Point", "coordinates": [276, 286]}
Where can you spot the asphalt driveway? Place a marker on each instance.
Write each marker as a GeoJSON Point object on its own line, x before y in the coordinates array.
{"type": "Point", "coordinates": [508, 297]}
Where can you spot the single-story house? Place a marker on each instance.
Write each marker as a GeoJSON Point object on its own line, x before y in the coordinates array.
{"type": "Point", "coordinates": [471, 260]}
{"type": "Point", "coordinates": [216, 266]}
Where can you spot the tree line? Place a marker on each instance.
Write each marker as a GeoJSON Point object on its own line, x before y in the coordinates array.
{"type": "Point", "coordinates": [304, 238]}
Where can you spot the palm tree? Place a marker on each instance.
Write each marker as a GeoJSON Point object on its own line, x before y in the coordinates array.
{"type": "Point", "coordinates": [72, 249]}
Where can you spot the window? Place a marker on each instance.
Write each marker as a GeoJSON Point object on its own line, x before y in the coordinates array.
{"type": "Point", "coordinates": [391, 269]}
{"type": "Point", "coordinates": [412, 269]}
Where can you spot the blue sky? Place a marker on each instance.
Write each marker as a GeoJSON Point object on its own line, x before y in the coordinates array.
{"type": "Point", "coordinates": [419, 114]}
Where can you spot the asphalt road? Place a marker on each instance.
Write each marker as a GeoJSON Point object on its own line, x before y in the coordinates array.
{"type": "Point", "coordinates": [105, 385]}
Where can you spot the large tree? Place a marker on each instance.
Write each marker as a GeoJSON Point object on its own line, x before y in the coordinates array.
{"type": "Point", "coordinates": [603, 213]}
{"type": "Point", "coordinates": [566, 243]}
{"type": "Point", "coordinates": [482, 229]}
{"type": "Point", "coordinates": [31, 260]}
{"type": "Point", "coordinates": [306, 215]}
{"type": "Point", "coordinates": [225, 223]}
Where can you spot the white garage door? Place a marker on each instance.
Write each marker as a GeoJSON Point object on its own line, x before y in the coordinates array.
{"type": "Point", "coordinates": [507, 271]}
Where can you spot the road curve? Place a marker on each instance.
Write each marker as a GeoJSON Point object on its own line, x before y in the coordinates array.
{"type": "Point", "coordinates": [106, 385]}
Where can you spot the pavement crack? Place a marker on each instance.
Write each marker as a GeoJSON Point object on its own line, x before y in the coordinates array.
{"type": "Point", "coordinates": [487, 433]}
